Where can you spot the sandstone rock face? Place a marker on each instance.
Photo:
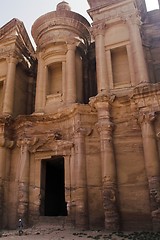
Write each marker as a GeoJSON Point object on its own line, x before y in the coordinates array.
{"type": "Point", "coordinates": [79, 118]}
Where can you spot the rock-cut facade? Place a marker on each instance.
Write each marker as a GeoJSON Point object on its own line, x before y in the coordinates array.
{"type": "Point", "coordinates": [80, 118]}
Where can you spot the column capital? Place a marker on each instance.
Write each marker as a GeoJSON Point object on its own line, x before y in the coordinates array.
{"type": "Point", "coordinates": [79, 129]}
{"type": "Point", "coordinates": [102, 101]}
{"type": "Point", "coordinates": [71, 46]}
{"type": "Point", "coordinates": [26, 142]}
{"type": "Point", "coordinates": [98, 29]}
{"type": "Point", "coordinates": [12, 59]}
{"type": "Point", "coordinates": [146, 117]}
{"type": "Point", "coordinates": [23, 141]}
{"type": "Point", "coordinates": [132, 19]}
{"type": "Point", "coordinates": [4, 142]}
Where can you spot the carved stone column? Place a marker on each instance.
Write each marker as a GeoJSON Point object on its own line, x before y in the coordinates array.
{"type": "Point", "coordinates": [71, 74]}
{"type": "Point", "coordinates": [30, 101]}
{"type": "Point", "coordinates": [2, 178]}
{"type": "Point", "coordinates": [8, 101]}
{"type": "Point", "coordinates": [42, 78]}
{"type": "Point", "coordinates": [101, 63]}
{"type": "Point", "coordinates": [137, 49]}
{"type": "Point", "coordinates": [109, 184]}
{"type": "Point", "coordinates": [81, 179]}
{"type": "Point", "coordinates": [152, 165]}
{"type": "Point", "coordinates": [4, 145]}
{"type": "Point", "coordinates": [71, 204]}
{"type": "Point", "coordinates": [23, 187]}
{"type": "Point", "coordinates": [64, 90]}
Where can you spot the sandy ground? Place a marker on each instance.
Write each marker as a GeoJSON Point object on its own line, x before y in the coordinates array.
{"type": "Point", "coordinates": [47, 229]}
{"type": "Point", "coordinates": [72, 234]}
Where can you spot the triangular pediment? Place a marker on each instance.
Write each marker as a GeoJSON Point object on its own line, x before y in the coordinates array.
{"type": "Point", "coordinates": [15, 29]}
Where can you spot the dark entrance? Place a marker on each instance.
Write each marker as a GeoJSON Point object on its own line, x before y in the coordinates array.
{"type": "Point", "coordinates": [52, 188]}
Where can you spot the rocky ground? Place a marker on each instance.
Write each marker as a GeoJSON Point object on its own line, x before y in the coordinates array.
{"type": "Point", "coordinates": [72, 234]}
{"type": "Point", "coordinates": [57, 229]}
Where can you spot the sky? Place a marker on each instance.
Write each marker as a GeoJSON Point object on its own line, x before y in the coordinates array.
{"type": "Point", "coordinates": [28, 11]}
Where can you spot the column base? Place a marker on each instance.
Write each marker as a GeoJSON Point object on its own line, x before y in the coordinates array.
{"type": "Point", "coordinates": [1, 205]}
{"type": "Point", "coordinates": [156, 220]}
{"type": "Point", "coordinates": [110, 207]}
{"type": "Point", "coordinates": [81, 217]}
{"type": "Point", "coordinates": [23, 202]}
{"type": "Point", "coordinates": [111, 221]}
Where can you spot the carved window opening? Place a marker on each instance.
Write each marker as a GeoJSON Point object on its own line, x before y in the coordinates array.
{"type": "Point", "coordinates": [120, 67]}
{"type": "Point", "coordinates": [52, 187]}
{"type": "Point", "coordinates": [54, 79]}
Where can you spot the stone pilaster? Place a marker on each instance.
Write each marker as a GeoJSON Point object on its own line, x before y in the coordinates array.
{"type": "Point", "coordinates": [109, 181]}
{"type": "Point", "coordinates": [8, 101]}
{"type": "Point", "coordinates": [23, 184]}
{"type": "Point", "coordinates": [81, 179]}
{"type": "Point", "coordinates": [71, 204]}
{"type": "Point", "coordinates": [2, 178]}
{"type": "Point", "coordinates": [30, 101]}
{"type": "Point", "coordinates": [71, 74]}
{"type": "Point", "coordinates": [42, 78]}
{"type": "Point", "coordinates": [4, 145]}
{"type": "Point", "coordinates": [141, 72]}
{"type": "Point", "coordinates": [98, 32]}
{"type": "Point", "coordinates": [64, 80]}
{"type": "Point", "coordinates": [152, 165]}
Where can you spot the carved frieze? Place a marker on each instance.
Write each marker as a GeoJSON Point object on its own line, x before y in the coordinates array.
{"type": "Point", "coordinates": [7, 51]}
{"type": "Point", "coordinates": [78, 128]}
{"type": "Point", "coordinates": [147, 96]}
{"type": "Point", "coordinates": [146, 117]}
{"type": "Point", "coordinates": [52, 142]}
{"type": "Point", "coordinates": [118, 12]}
{"type": "Point", "coordinates": [26, 143]}
{"type": "Point", "coordinates": [98, 29]}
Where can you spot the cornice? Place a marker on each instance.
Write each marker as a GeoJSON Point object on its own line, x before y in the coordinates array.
{"type": "Point", "coordinates": [147, 96]}
{"type": "Point", "coordinates": [25, 121]}
{"type": "Point", "coordinates": [102, 98]}
{"type": "Point", "coordinates": [55, 26]}
{"type": "Point", "coordinates": [116, 9]}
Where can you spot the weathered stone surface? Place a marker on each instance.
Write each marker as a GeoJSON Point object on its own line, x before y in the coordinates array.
{"type": "Point", "coordinates": [79, 118]}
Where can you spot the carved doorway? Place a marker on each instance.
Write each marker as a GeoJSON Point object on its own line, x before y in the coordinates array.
{"type": "Point", "coordinates": [53, 187]}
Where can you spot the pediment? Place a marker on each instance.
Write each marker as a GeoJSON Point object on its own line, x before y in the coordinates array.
{"type": "Point", "coordinates": [50, 144]}
{"type": "Point", "coordinates": [15, 29]}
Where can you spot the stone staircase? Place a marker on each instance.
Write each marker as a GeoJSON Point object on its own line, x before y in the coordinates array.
{"type": "Point", "coordinates": [49, 224]}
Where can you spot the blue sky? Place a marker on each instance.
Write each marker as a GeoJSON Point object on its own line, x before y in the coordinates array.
{"type": "Point", "coordinates": [29, 10]}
